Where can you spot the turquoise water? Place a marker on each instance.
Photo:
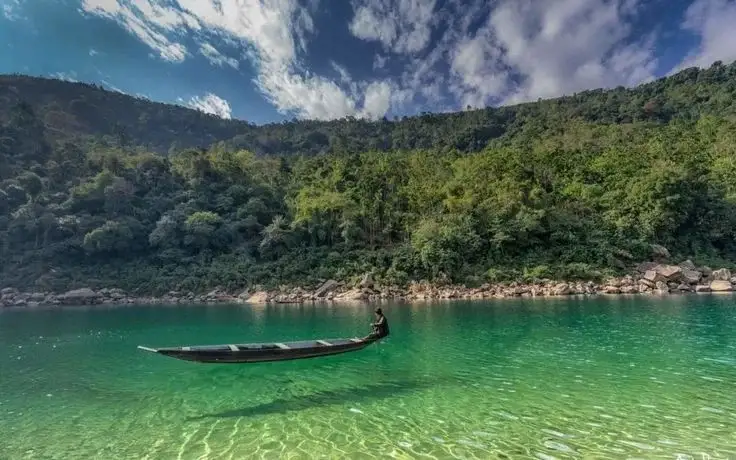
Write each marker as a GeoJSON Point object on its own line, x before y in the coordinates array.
{"type": "Point", "coordinates": [614, 378]}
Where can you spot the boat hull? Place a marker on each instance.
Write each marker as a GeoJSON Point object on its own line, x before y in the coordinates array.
{"type": "Point", "coordinates": [262, 352]}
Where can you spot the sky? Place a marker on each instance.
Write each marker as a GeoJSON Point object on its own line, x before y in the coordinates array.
{"type": "Point", "coordinates": [272, 60]}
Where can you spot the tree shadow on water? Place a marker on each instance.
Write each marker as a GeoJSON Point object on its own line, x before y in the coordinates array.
{"type": "Point", "coordinates": [324, 398]}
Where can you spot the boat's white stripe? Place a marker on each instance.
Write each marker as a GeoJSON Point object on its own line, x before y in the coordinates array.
{"type": "Point", "coordinates": [282, 346]}
{"type": "Point", "coordinates": [324, 342]}
{"type": "Point", "coordinates": [234, 348]}
{"type": "Point", "coordinates": [185, 348]}
{"type": "Point", "coordinates": [356, 340]}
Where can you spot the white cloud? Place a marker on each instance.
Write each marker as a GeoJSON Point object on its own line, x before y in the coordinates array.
{"type": "Point", "coordinates": [476, 64]}
{"type": "Point", "coordinates": [528, 50]}
{"type": "Point", "coordinates": [310, 97]}
{"type": "Point", "coordinates": [714, 22]}
{"type": "Point", "coordinates": [483, 52]}
{"type": "Point", "coordinates": [342, 71]}
{"type": "Point", "coordinates": [212, 104]}
{"type": "Point", "coordinates": [401, 27]}
{"type": "Point", "coordinates": [93, 52]}
{"type": "Point", "coordinates": [216, 57]}
{"type": "Point", "coordinates": [272, 32]}
{"type": "Point", "coordinates": [147, 21]}
{"type": "Point", "coordinates": [11, 10]}
{"type": "Point", "coordinates": [377, 99]}
{"type": "Point", "coordinates": [379, 62]}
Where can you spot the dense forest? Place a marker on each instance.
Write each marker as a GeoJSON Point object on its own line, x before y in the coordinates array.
{"type": "Point", "coordinates": [100, 189]}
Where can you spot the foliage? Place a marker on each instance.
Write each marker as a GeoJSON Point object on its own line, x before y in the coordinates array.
{"type": "Point", "coordinates": [573, 188]}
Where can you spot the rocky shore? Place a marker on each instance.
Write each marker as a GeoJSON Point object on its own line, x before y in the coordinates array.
{"type": "Point", "coordinates": [647, 278]}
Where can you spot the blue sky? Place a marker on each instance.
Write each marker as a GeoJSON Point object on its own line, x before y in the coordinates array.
{"type": "Point", "coordinates": [271, 60]}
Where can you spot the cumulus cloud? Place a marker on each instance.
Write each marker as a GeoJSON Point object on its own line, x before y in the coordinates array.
{"type": "Point", "coordinates": [272, 33]}
{"type": "Point", "coordinates": [714, 23]}
{"type": "Point", "coordinates": [454, 53]}
{"type": "Point", "coordinates": [478, 69]}
{"type": "Point", "coordinates": [212, 104]}
{"type": "Point", "coordinates": [377, 99]}
{"type": "Point", "coordinates": [528, 50]}
{"type": "Point", "coordinates": [401, 27]}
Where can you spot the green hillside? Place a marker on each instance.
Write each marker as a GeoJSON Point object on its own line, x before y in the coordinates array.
{"type": "Point", "coordinates": [93, 194]}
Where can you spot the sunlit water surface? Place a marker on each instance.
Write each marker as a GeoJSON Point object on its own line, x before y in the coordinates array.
{"type": "Point", "coordinates": [563, 378]}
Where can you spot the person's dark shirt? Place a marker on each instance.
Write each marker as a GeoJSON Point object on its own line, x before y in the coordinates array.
{"type": "Point", "coordinates": [382, 326]}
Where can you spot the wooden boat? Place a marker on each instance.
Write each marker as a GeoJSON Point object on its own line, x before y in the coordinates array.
{"type": "Point", "coordinates": [262, 352]}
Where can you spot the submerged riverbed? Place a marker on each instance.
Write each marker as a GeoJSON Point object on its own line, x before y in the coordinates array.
{"type": "Point", "coordinates": [525, 378]}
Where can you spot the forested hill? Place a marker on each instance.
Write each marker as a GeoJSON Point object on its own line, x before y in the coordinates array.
{"type": "Point", "coordinates": [572, 188]}
{"type": "Point", "coordinates": [77, 109]}
{"type": "Point", "coordinates": [72, 110]}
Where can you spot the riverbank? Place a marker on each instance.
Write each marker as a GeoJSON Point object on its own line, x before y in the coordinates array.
{"type": "Point", "coordinates": [647, 278]}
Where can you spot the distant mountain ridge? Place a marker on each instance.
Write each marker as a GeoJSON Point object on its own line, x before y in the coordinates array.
{"type": "Point", "coordinates": [79, 109]}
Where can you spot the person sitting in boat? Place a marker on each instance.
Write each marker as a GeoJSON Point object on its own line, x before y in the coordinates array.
{"type": "Point", "coordinates": [380, 327]}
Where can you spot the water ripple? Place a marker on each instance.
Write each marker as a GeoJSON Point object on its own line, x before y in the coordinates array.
{"type": "Point", "coordinates": [467, 381]}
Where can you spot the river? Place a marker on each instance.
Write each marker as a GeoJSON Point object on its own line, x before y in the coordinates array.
{"type": "Point", "coordinates": [622, 377]}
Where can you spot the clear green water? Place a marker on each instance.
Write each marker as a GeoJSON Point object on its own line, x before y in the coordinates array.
{"type": "Point", "coordinates": [563, 378]}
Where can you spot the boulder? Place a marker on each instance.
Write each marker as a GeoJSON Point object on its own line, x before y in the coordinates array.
{"type": "Point", "coordinates": [646, 266]}
{"type": "Point", "coordinates": [287, 298]}
{"type": "Point", "coordinates": [653, 276]}
{"type": "Point", "coordinates": [367, 281]}
{"type": "Point", "coordinates": [614, 282]}
{"type": "Point", "coordinates": [37, 297]}
{"type": "Point", "coordinates": [662, 288]}
{"type": "Point", "coordinates": [561, 289]}
{"type": "Point", "coordinates": [702, 288]}
{"type": "Point", "coordinates": [612, 290]}
{"type": "Point", "coordinates": [629, 289]}
{"type": "Point", "coordinates": [326, 287]}
{"type": "Point", "coordinates": [80, 296]}
{"type": "Point", "coordinates": [8, 291]}
{"type": "Point", "coordinates": [257, 297]}
{"type": "Point", "coordinates": [357, 294]}
{"type": "Point", "coordinates": [684, 287]}
{"type": "Point", "coordinates": [691, 276]}
{"type": "Point", "coordinates": [721, 286]}
{"type": "Point", "coordinates": [660, 252]}
{"type": "Point", "coordinates": [669, 272]}
{"type": "Point", "coordinates": [688, 265]}
{"type": "Point", "coordinates": [723, 274]}
{"type": "Point", "coordinates": [646, 282]}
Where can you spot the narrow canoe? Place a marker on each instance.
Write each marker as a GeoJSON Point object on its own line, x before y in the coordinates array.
{"type": "Point", "coordinates": [262, 352]}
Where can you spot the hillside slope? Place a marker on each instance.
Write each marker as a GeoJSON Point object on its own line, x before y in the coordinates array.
{"type": "Point", "coordinates": [71, 110]}
{"type": "Point", "coordinates": [77, 109]}
{"type": "Point", "coordinates": [573, 188]}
